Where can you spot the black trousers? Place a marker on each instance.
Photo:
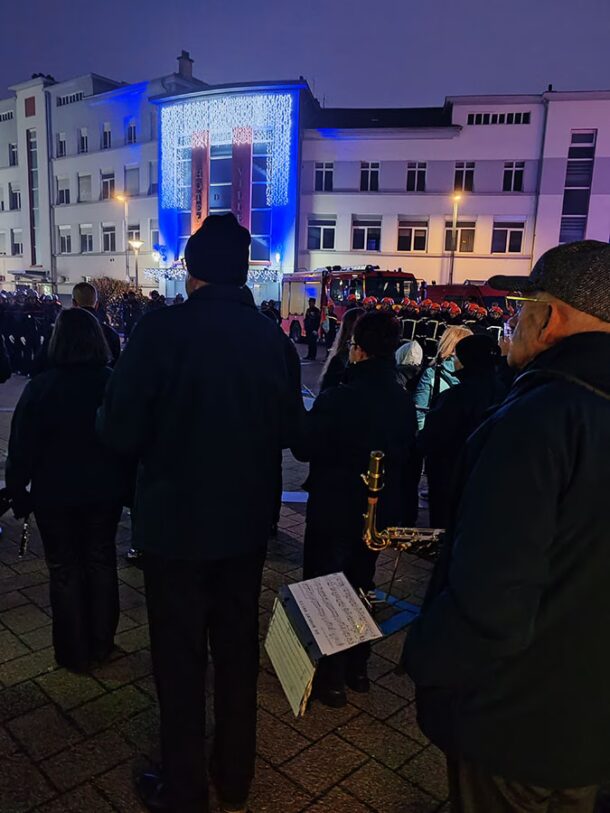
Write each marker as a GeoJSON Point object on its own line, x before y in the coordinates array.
{"type": "Point", "coordinates": [189, 605]}
{"type": "Point", "coordinates": [312, 344]}
{"type": "Point", "coordinates": [80, 552]}
{"type": "Point", "coordinates": [473, 790]}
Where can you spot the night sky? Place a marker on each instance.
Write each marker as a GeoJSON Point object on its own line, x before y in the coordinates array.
{"type": "Point", "coordinates": [353, 52]}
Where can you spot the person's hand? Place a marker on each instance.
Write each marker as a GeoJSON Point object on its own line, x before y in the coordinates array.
{"type": "Point", "coordinates": [21, 504]}
{"type": "Point", "coordinates": [504, 343]}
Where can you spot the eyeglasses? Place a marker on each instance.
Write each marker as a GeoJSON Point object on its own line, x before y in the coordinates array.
{"type": "Point", "coordinates": [517, 300]}
{"type": "Point", "coordinates": [520, 298]}
{"type": "Point", "coordinates": [351, 343]}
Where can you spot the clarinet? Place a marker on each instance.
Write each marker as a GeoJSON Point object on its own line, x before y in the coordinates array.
{"type": "Point", "coordinates": [25, 537]}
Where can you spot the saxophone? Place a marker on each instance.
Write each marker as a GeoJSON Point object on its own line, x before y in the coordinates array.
{"type": "Point", "coordinates": [421, 542]}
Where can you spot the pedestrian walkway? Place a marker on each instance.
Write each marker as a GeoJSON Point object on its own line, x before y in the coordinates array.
{"type": "Point", "coordinates": [71, 743]}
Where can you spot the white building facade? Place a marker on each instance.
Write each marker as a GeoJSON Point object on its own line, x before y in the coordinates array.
{"type": "Point", "coordinates": [379, 187]}
{"type": "Point", "coordinates": [79, 178]}
{"type": "Point", "coordinates": [80, 175]}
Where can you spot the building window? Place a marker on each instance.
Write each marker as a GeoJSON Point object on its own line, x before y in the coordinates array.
{"type": "Point", "coordinates": [107, 185]}
{"type": "Point", "coordinates": [108, 238]}
{"type": "Point", "coordinates": [70, 98]}
{"type": "Point", "coordinates": [8, 115]}
{"type": "Point", "coordinates": [61, 145]}
{"type": "Point", "coordinates": [12, 155]}
{"type": "Point", "coordinates": [464, 176]}
{"type": "Point", "coordinates": [63, 191]}
{"type": "Point", "coordinates": [464, 234]}
{"type": "Point", "coordinates": [153, 174]}
{"type": "Point", "coordinates": [154, 233]}
{"type": "Point", "coordinates": [499, 118]}
{"type": "Point", "coordinates": [369, 176]}
{"type": "Point", "coordinates": [221, 178]}
{"type": "Point", "coordinates": [106, 137]}
{"type": "Point", "coordinates": [572, 229]}
{"type": "Point", "coordinates": [577, 188]}
{"type": "Point", "coordinates": [16, 242]}
{"type": "Point", "coordinates": [324, 176]}
{"type": "Point", "coordinates": [131, 137]}
{"type": "Point", "coordinates": [32, 164]}
{"type": "Point", "coordinates": [64, 241]}
{"type": "Point", "coordinates": [416, 176]}
{"type": "Point", "coordinates": [321, 234]}
{"type": "Point", "coordinates": [133, 232]}
{"type": "Point", "coordinates": [366, 235]}
{"type": "Point", "coordinates": [84, 188]}
{"type": "Point", "coordinates": [132, 181]}
{"type": "Point", "coordinates": [83, 140]}
{"type": "Point", "coordinates": [30, 106]}
{"type": "Point", "coordinates": [260, 227]}
{"type": "Point", "coordinates": [513, 176]}
{"type": "Point", "coordinates": [86, 239]}
{"type": "Point", "coordinates": [412, 235]}
{"type": "Point", "coordinates": [507, 238]}
{"type": "Point", "coordinates": [14, 196]}
{"type": "Point", "coordinates": [2, 244]}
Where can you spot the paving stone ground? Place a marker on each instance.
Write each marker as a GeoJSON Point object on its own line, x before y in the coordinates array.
{"type": "Point", "coordinates": [72, 743]}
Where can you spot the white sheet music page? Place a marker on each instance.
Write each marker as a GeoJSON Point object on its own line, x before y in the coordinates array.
{"type": "Point", "coordinates": [292, 664]}
{"type": "Point", "coordinates": [336, 616]}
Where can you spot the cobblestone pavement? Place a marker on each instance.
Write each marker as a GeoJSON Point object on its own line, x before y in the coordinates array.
{"type": "Point", "coordinates": [72, 743]}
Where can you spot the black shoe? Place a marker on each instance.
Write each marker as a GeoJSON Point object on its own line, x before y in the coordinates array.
{"type": "Point", "coordinates": [334, 698]}
{"type": "Point", "coordinates": [152, 791]}
{"type": "Point", "coordinates": [358, 683]}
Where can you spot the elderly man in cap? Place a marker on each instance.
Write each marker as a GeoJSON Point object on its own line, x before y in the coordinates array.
{"type": "Point", "coordinates": [510, 653]}
{"type": "Point", "coordinates": [216, 372]}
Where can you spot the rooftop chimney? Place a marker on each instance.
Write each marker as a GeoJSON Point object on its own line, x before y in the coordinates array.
{"type": "Point", "coordinates": [185, 65]}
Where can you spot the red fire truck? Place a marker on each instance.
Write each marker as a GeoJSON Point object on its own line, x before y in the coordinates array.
{"type": "Point", "coordinates": [477, 291]}
{"type": "Point", "coordinates": [341, 286]}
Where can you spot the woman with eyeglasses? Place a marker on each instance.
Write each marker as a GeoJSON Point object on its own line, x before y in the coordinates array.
{"type": "Point", "coordinates": [368, 410]}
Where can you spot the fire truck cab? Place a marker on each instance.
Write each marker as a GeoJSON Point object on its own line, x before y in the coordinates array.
{"type": "Point", "coordinates": [343, 287]}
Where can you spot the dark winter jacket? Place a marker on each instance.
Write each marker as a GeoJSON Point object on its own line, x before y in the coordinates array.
{"type": "Point", "coordinates": [456, 414]}
{"type": "Point", "coordinates": [313, 318]}
{"type": "Point", "coordinates": [335, 371]}
{"type": "Point", "coordinates": [201, 396]}
{"type": "Point", "coordinates": [369, 411]}
{"type": "Point", "coordinates": [510, 654]}
{"type": "Point", "coordinates": [53, 444]}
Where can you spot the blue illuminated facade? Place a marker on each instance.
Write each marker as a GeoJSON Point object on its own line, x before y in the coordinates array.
{"type": "Point", "coordinates": [236, 149]}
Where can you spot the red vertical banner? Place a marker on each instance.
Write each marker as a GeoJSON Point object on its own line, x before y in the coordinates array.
{"type": "Point", "coordinates": [241, 196]}
{"type": "Point", "coordinates": [200, 179]}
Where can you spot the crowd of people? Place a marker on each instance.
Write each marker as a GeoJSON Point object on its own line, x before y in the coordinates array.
{"type": "Point", "coordinates": [512, 435]}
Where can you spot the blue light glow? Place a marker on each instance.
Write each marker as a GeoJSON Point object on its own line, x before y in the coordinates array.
{"type": "Point", "coordinates": [273, 119]}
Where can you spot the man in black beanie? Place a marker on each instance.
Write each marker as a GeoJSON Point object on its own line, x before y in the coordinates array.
{"type": "Point", "coordinates": [217, 371]}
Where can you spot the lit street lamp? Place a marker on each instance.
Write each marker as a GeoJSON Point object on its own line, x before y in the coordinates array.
{"type": "Point", "coordinates": [136, 246]}
{"type": "Point", "coordinates": [124, 199]}
{"type": "Point", "coordinates": [456, 202]}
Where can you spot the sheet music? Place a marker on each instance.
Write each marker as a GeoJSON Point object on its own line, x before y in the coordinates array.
{"type": "Point", "coordinates": [290, 660]}
{"type": "Point", "coordinates": [334, 613]}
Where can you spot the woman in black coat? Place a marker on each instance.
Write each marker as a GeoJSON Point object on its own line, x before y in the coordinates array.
{"type": "Point", "coordinates": [369, 410]}
{"type": "Point", "coordinates": [77, 488]}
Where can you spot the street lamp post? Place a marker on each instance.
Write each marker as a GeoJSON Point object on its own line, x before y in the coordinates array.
{"type": "Point", "coordinates": [125, 201]}
{"type": "Point", "coordinates": [456, 202]}
{"type": "Point", "coordinates": [136, 246]}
